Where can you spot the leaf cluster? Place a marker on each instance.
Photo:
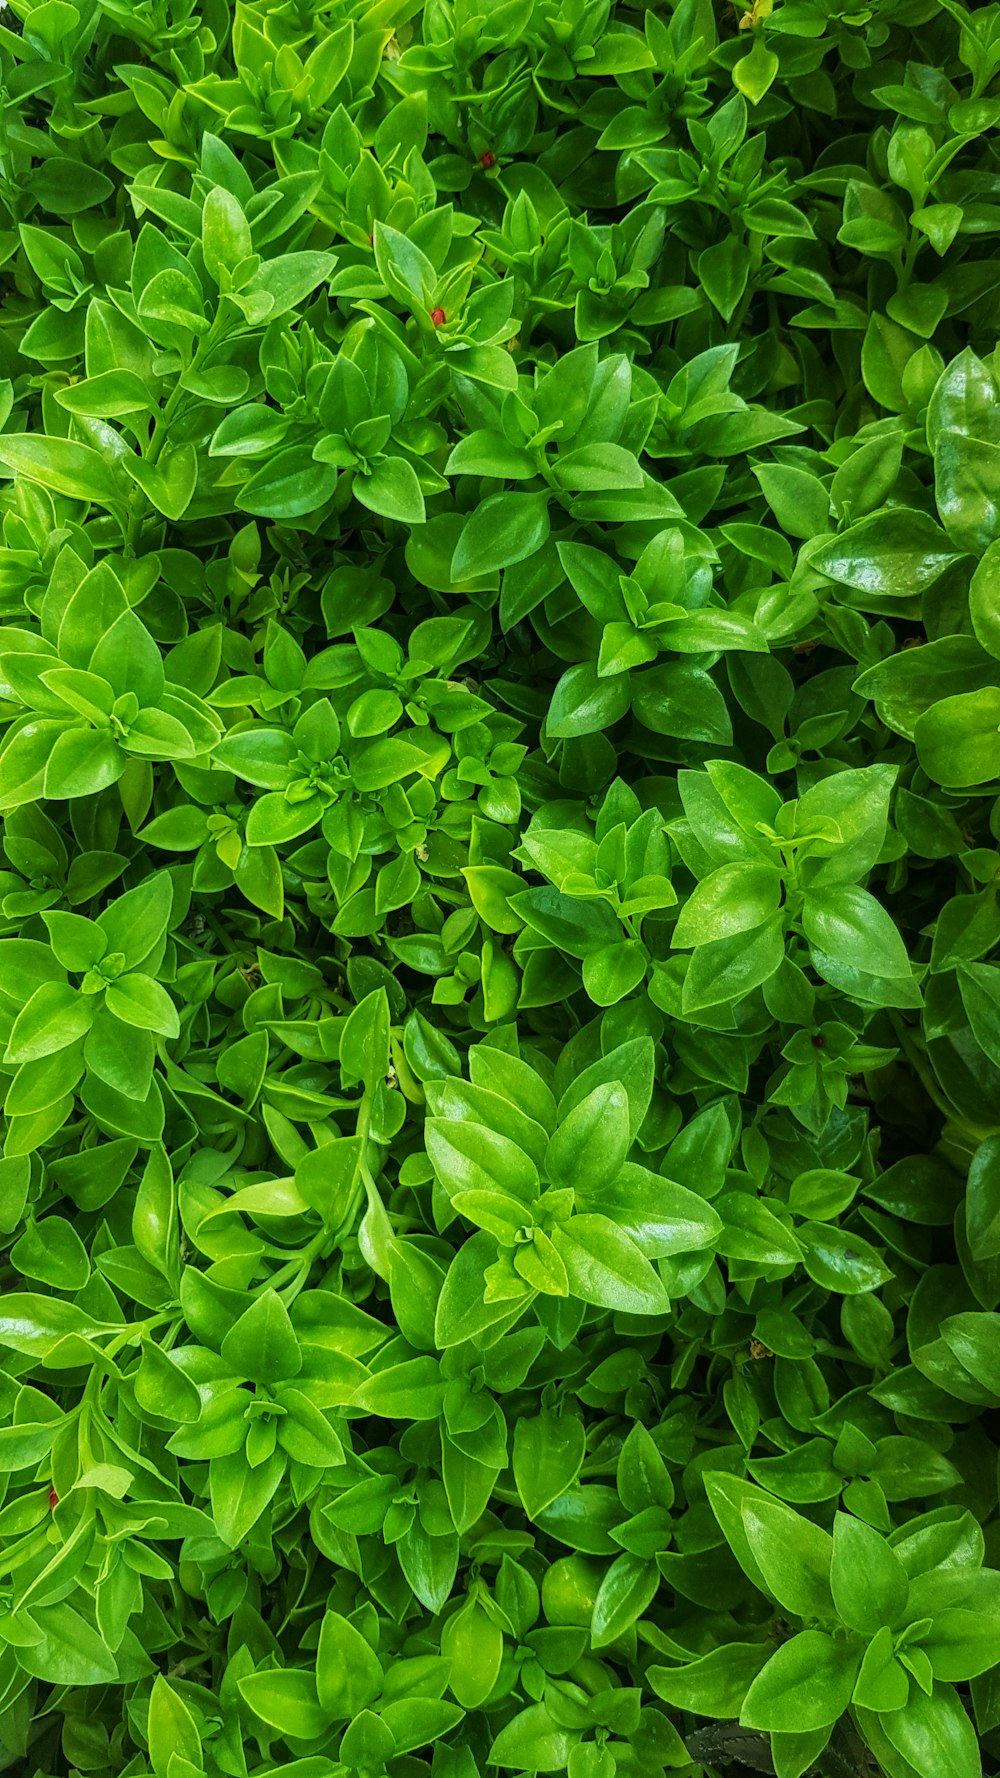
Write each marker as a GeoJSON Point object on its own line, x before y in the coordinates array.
{"type": "Point", "coordinates": [499, 923]}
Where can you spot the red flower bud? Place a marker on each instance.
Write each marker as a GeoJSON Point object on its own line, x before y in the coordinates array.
{"type": "Point", "coordinates": [53, 1500]}
{"type": "Point", "coordinates": [488, 159]}
{"type": "Point", "coordinates": [438, 317]}
{"type": "Point", "coordinates": [818, 1043]}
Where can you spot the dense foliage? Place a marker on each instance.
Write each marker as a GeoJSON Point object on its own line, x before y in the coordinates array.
{"type": "Point", "coordinates": [500, 1019]}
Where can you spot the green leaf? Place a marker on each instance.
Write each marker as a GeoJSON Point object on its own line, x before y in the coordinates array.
{"type": "Point", "coordinates": [364, 1041]}
{"type": "Point", "coordinates": [533, 1742]}
{"type": "Point", "coordinates": [894, 554]}
{"type": "Point", "coordinates": [168, 484]}
{"type": "Point", "coordinates": [489, 453]}
{"type": "Point", "coordinates": [62, 1648]}
{"type": "Point", "coordinates": [62, 465]}
{"type": "Point", "coordinates": [982, 1202]}
{"type": "Point", "coordinates": [840, 1260]}
{"type": "Point", "coordinates": [225, 235]}
{"type": "Point", "coordinates": [975, 1341]}
{"type": "Point", "coordinates": [628, 1587]}
{"type": "Point", "coordinates": [715, 1684]}
{"type": "Point", "coordinates": [793, 1555]}
{"type": "Point", "coordinates": [967, 489]}
{"type": "Point", "coordinates": [393, 490]}
{"type": "Point", "coordinates": [548, 1453]}
{"type": "Point", "coordinates": [592, 1142]}
{"type": "Point", "coordinates": [240, 1494]}
{"type": "Point", "coordinates": [289, 485]}
{"type": "Point", "coordinates": [984, 600]}
{"type": "Point", "coordinates": [287, 1701]}
{"type": "Point", "coordinates": [733, 900]}
{"type": "Point", "coordinates": [406, 271]}
{"type": "Point", "coordinates": [869, 1582]}
{"type": "Point", "coordinates": [471, 1157]}
{"type": "Point", "coordinates": [503, 529]}
{"type": "Point", "coordinates": [604, 1266]}
{"type": "Point", "coordinates": [583, 703]}
{"type": "Point", "coordinates": [112, 394]}
{"type": "Point", "coordinates": [857, 802]}
{"type": "Point", "coordinates": [849, 930]}
{"type": "Point", "coordinates": [755, 72]}
{"type": "Point", "coordinates": [934, 1735]}
{"type": "Point", "coordinates": [410, 1391]}
{"type": "Point", "coordinates": [597, 466]}
{"type": "Point", "coordinates": [958, 739]}
{"type": "Point", "coordinates": [55, 1016]}
{"type": "Point", "coordinates": [262, 1345]}
{"type": "Point", "coordinates": [137, 999]}
{"type": "Point", "coordinates": [348, 1674]}
{"type": "Point", "coordinates": [806, 1685]}
{"type": "Point", "coordinates": [682, 700]}
{"type": "Point", "coordinates": [136, 922]}
{"type": "Point", "coordinates": [172, 1729]}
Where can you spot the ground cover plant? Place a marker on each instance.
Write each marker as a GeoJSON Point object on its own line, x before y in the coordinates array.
{"type": "Point", "coordinates": [499, 998]}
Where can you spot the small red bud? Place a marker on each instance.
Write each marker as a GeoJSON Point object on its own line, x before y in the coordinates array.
{"type": "Point", "coordinates": [488, 159]}
{"type": "Point", "coordinates": [819, 1043]}
{"type": "Point", "coordinates": [438, 317]}
{"type": "Point", "coordinates": [53, 1500]}
{"type": "Point", "coordinates": [371, 240]}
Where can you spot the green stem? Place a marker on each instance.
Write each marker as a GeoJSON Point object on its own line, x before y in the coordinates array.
{"type": "Point", "coordinates": [133, 1331]}
{"type": "Point", "coordinates": [160, 434]}
{"type": "Point", "coordinates": [293, 1275]}
{"type": "Point", "coordinates": [908, 259]}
